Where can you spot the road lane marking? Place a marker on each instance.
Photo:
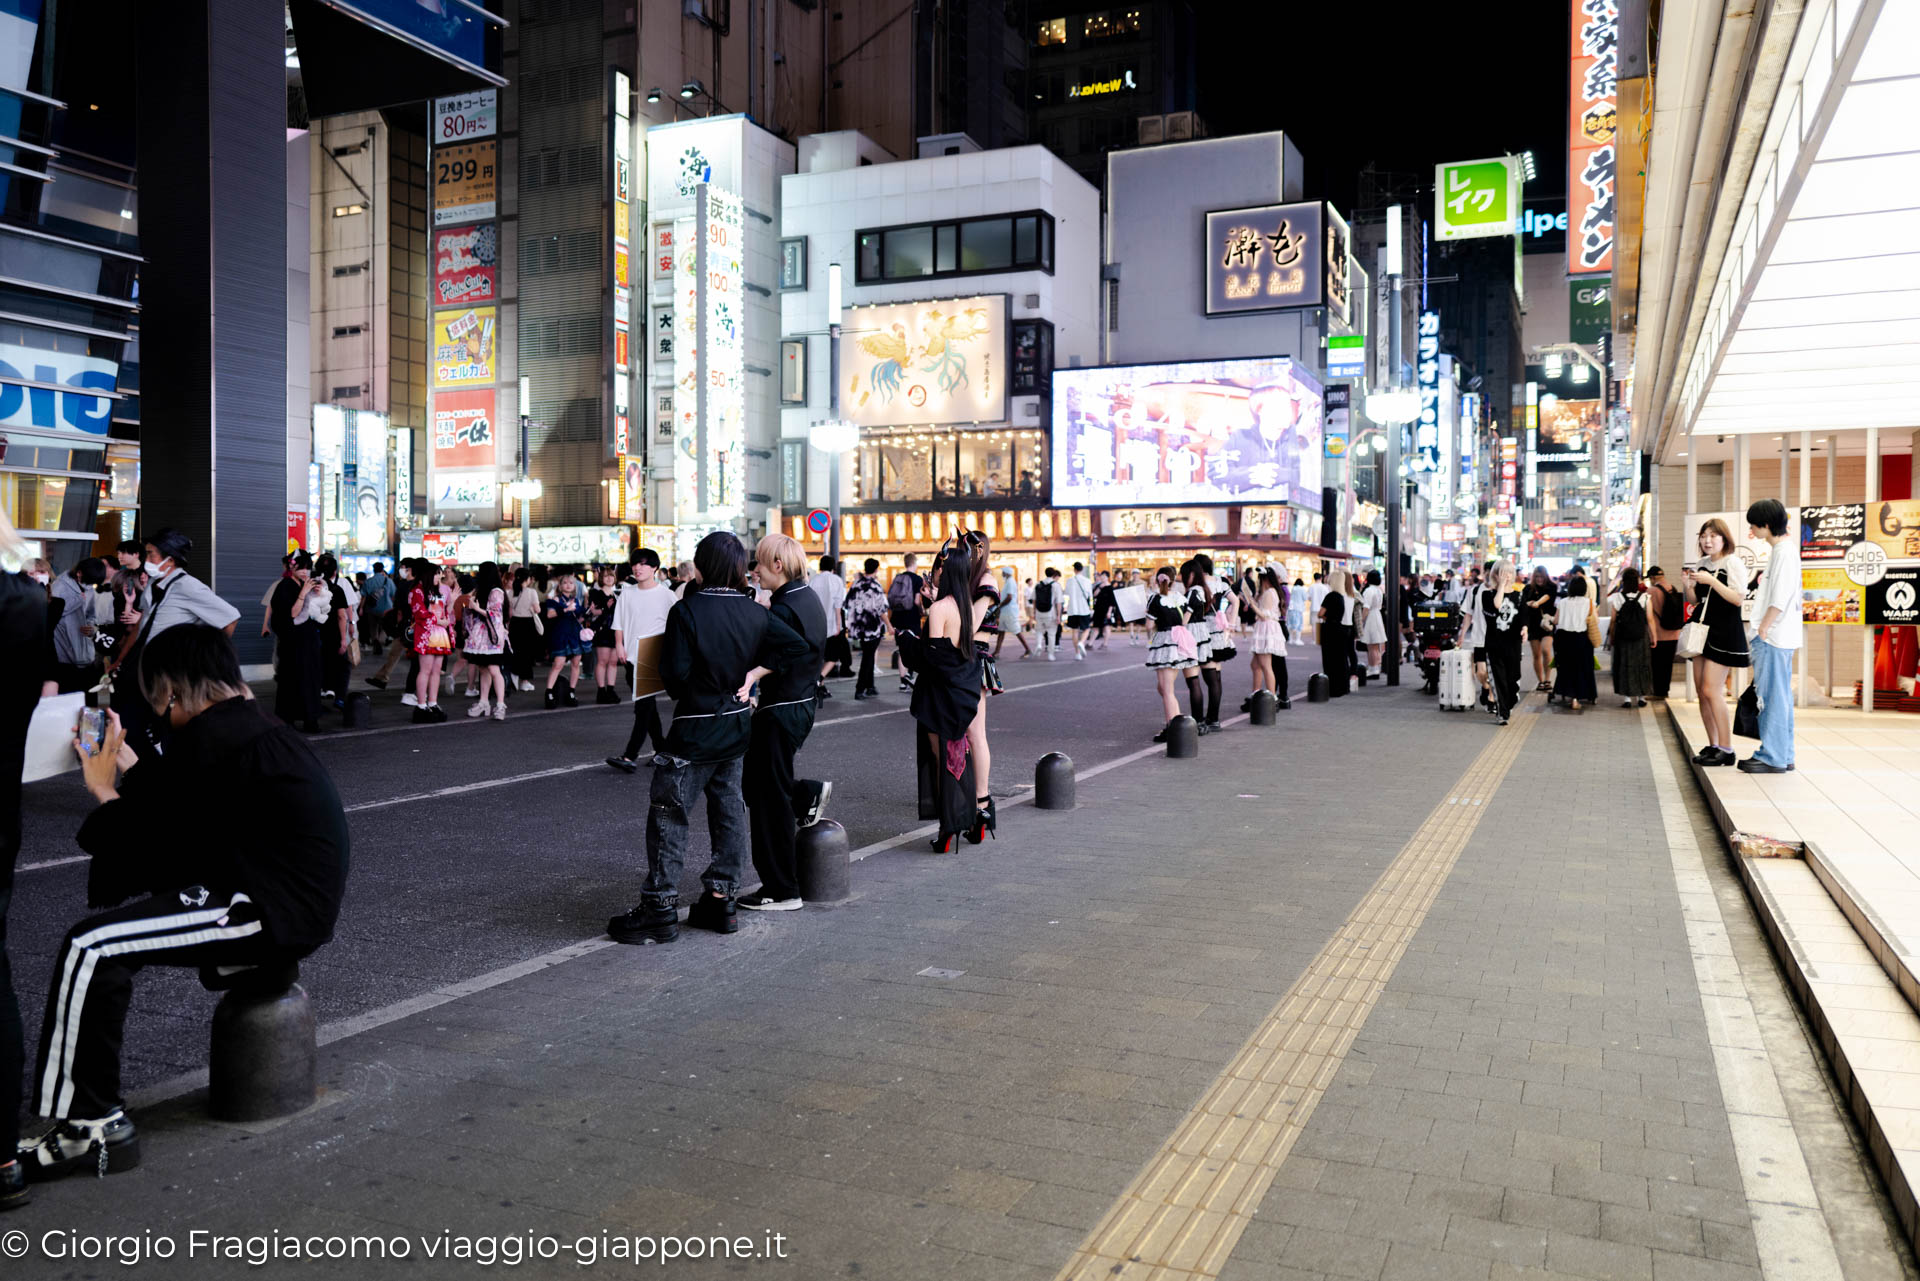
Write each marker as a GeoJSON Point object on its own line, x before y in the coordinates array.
{"type": "Point", "coordinates": [1185, 1211]}
{"type": "Point", "coordinates": [1790, 1229]}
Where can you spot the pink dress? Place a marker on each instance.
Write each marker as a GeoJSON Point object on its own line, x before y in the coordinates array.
{"type": "Point", "coordinates": [1267, 636]}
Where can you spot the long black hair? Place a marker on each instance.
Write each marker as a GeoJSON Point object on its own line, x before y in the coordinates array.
{"type": "Point", "coordinates": [485, 583]}
{"type": "Point", "coordinates": [721, 561]}
{"type": "Point", "coordinates": [957, 580]}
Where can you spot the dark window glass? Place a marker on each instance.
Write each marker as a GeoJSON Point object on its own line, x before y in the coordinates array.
{"type": "Point", "coordinates": [1025, 234]}
{"type": "Point", "coordinates": [986, 245]}
{"type": "Point", "coordinates": [1046, 243]}
{"type": "Point", "coordinates": [870, 255]}
{"type": "Point", "coordinates": [945, 254]}
{"type": "Point", "coordinates": [909, 253]}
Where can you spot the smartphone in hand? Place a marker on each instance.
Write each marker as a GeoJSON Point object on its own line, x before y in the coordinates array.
{"type": "Point", "coordinates": [92, 729]}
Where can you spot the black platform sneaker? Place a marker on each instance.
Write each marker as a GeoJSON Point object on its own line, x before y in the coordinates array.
{"type": "Point", "coordinates": [106, 1146]}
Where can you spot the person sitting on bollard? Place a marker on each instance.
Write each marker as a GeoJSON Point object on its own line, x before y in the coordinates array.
{"type": "Point", "coordinates": [715, 636]}
{"type": "Point", "coordinates": [777, 804]}
{"type": "Point", "coordinates": [253, 877]}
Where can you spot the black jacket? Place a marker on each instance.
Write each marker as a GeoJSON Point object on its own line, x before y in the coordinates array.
{"type": "Point", "coordinates": [239, 801]}
{"type": "Point", "coordinates": [714, 637]}
{"type": "Point", "coordinates": [799, 607]}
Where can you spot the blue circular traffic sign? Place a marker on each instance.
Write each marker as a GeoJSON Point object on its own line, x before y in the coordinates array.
{"type": "Point", "coordinates": [819, 521]}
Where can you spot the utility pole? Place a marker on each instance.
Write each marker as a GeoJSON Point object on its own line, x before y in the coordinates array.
{"type": "Point", "coordinates": [1395, 487]}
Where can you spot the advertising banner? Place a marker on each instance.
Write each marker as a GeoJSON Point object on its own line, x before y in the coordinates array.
{"type": "Point", "coordinates": [1589, 309]}
{"type": "Point", "coordinates": [1568, 430]}
{"type": "Point", "coordinates": [1894, 601]}
{"type": "Point", "coordinates": [465, 348]}
{"type": "Point", "coordinates": [923, 363]}
{"type": "Point", "coordinates": [723, 346]}
{"type": "Point", "coordinates": [1247, 431]}
{"type": "Point", "coordinates": [370, 482]}
{"type": "Point", "coordinates": [1268, 257]}
{"type": "Point", "coordinates": [445, 548]}
{"type": "Point", "coordinates": [65, 412]}
{"type": "Point", "coordinates": [1338, 254]}
{"type": "Point", "coordinates": [469, 116]}
{"type": "Point", "coordinates": [633, 489]}
{"type": "Point", "coordinates": [466, 264]}
{"type": "Point", "coordinates": [1828, 597]}
{"type": "Point", "coordinates": [1476, 198]}
{"type": "Point", "coordinates": [1861, 562]}
{"type": "Point", "coordinates": [1591, 115]}
{"type": "Point", "coordinates": [464, 433]}
{"type": "Point", "coordinates": [570, 545]}
{"type": "Point", "coordinates": [463, 183]}
{"type": "Point", "coordinates": [1338, 429]}
{"type": "Point", "coordinates": [464, 491]}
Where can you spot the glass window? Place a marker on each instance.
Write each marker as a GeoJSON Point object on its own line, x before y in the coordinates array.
{"type": "Point", "coordinates": [946, 256]}
{"type": "Point", "coordinates": [1052, 31]}
{"type": "Point", "coordinates": [986, 465]}
{"type": "Point", "coordinates": [793, 371]}
{"type": "Point", "coordinates": [986, 245]}
{"type": "Point", "coordinates": [906, 470]}
{"type": "Point", "coordinates": [870, 255]}
{"type": "Point", "coordinates": [909, 252]}
{"type": "Point", "coordinates": [1025, 236]}
{"type": "Point", "coordinates": [1046, 243]}
{"type": "Point", "coordinates": [1098, 26]}
{"type": "Point", "coordinates": [1127, 22]}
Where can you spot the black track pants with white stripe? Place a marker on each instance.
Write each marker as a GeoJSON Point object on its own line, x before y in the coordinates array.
{"type": "Point", "coordinates": [78, 1071]}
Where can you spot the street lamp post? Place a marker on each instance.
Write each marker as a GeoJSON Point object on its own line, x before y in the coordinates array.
{"type": "Point", "coordinates": [1393, 409]}
{"type": "Point", "coordinates": [525, 489]}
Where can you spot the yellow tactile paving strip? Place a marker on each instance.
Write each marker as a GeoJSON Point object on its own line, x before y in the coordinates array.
{"type": "Point", "coordinates": [1184, 1212]}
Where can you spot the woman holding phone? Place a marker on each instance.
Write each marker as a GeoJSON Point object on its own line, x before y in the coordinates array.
{"type": "Point", "coordinates": [1719, 585]}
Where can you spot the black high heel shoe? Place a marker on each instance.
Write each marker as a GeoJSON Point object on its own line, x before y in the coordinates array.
{"type": "Point", "coordinates": [985, 821]}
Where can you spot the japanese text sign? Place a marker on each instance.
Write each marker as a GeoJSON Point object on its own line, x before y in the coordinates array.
{"type": "Point", "coordinates": [1593, 128]}
{"type": "Point", "coordinates": [1476, 198]}
{"type": "Point", "coordinates": [1267, 258]}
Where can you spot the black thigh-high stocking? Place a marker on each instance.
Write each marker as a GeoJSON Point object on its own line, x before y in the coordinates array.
{"type": "Point", "coordinates": [1280, 675]}
{"type": "Point", "coordinates": [1195, 698]}
{"type": "Point", "coordinates": [1212, 677]}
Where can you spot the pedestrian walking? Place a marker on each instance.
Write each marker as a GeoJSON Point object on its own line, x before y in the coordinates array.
{"type": "Point", "coordinates": [1079, 608]}
{"type": "Point", "coordinates": [432, 617]}
{"type": "Point", "coordinates": [376, 623]}
{"type": "Point", "coordinates": [75, 652]}
{"type": "Point", "coordinates": [906, 601]}
{"type": "Point", "coordinates": [235, 845]}
{"type": "Point", "coordinates": [1173, 651]}
{"type": "Point", "coordinates": [1503, 636]}
{"type": "Point", "coordinates": [837, 661]}
{"type": "Point", "coordinates": [1473, 638]}
{"type": "Point", "coordinates": [569, 634]}
{"type": "Point", "coordinates": [1629, 635]}
{"type": "Point", "coordinates": [778, 804]}
{"type": "Point", "coordinates": [1536, 605]}
{"type": "Point", "coordinates": [301, 605]}
{"type": "Point", "coordinates": [525, 629]}
{"type": "Point", "coordinates": [715, 636]}
{"type": "Point", "coordinates": [1046, 613]}
{"type": "Point", "coordinates": [1778, 631]}
{"type": "Point", "coordinates": [1667, 613]}
{"type": "Point", "coordinates": [483, 610]}
{"type": "Point", "coordinates": [1719, 587]}
{"type": "Point", "coordinates": [866, 612]}
{"type": "Point", "coordinates": [1335, 635]}
{"type": "Point", "coordinates": [1576, 634]}
{"type": "Point", "coordinates": [1106, 613]}
{"type": "Point", "coordinates": [947, 694]}
{"type": "Point", "coordinates": [1297, 597]}
{"type": "Point", "coordinates": [1010, 614]}
{"type": "Point", "coordinates": [23, 636]}
{"type": "Point", "coordinates": [639, 614]}
{"type": "Point", "coordinates": [399, 624]}
{"type": "Point", "coordinates": [606, 657]}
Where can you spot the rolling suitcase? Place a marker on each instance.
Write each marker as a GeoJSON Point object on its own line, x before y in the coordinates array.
{"type": "Point", "coordinates": [1457, 689]}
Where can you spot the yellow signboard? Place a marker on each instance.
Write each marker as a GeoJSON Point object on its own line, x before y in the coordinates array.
{"type": "Point", "coordinates": [463, 183]}
{"type": "Point", "coordinates": [465, 348]}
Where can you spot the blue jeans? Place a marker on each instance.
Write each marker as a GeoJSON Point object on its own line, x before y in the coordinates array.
{"type": "Point", "coordinates": [1773, 686]}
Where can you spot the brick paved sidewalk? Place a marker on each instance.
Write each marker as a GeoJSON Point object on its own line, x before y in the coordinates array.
{"type": "Point", "coordinates": [956, 1074]}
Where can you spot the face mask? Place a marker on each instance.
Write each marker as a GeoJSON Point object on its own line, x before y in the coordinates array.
{"type": "Point", "coordinates": [153, 568]}
{"type": "Point", "coordinates": [39, 578]}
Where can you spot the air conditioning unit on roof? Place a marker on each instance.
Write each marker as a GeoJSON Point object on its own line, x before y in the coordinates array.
{"type": "Point", "coordinates": [1152, 129]}
{"type": "Point", "coordinates": [1181, 126]}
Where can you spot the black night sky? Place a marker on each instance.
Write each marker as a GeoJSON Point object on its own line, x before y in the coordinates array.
{"type": "Point", "coordinates": [1401, 84]}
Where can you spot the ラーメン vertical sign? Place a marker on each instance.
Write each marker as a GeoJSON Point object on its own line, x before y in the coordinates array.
{"type": "Point", "coordinates": [1593, 128]}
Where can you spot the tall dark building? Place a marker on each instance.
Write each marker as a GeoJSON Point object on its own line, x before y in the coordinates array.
{"type": "Point", "coordinates": [1096, 71]}
{"type": "Point", "coordinates": [972, 77]}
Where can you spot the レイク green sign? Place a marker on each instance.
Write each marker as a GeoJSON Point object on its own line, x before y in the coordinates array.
{"type": "Point", "coordinates": [1475, 198]}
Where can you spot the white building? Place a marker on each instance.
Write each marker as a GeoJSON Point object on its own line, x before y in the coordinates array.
{"type": "Point", "coordinates": [967, 277]}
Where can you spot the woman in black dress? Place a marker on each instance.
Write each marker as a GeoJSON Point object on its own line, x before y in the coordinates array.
{"type": "Point", "coordinates": [1720, 587]}
{"type": "Point", "coordinates": [296, 695]}
{"type": "Point", "coordinates": [1504, 613]}
{"type": "Point", "coordinates": [1336, 635]}
{"type": "Point", "coordinates": [1536, 599]}
{"type": "Point", "coordinates": [946, 695]}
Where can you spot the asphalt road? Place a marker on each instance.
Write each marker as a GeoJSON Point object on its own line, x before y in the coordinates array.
{"type": "Point", "coordinates": [478, 844]}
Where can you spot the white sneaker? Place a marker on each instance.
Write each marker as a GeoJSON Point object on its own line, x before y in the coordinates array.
{"type": "Point", "coordinates": [478, 709]}
{"type": "Point", "coordinates": [526, 685]}
{"type": "Point", "coordinates": [409, 700]}
{"type": "Point", "coordinates": [760, 902]}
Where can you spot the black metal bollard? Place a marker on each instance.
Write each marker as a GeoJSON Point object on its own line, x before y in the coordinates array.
{"type": "Point", "coordinates": [820, 853]}
{"type": "Point", "coordinates": [1183, 738]}
{"type": "Point", "coordinates": [1053, 782]}
{"type": "Point", "coordinates": [261, 1063]}
{"type": "Point", "coordinates": [1265, 705]}
{"type": "Point", "coordinates": [358, 711]}
{"type": "Point", "coordinates": [1319, 689]}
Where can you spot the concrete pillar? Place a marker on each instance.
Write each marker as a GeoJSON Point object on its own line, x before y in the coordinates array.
{"type": "Point", "coordinates": [1742, 479]}
{"type": "Point", "coordinates": [1805, 659]}
{"type": "Point", "coordinates": [213, 292]}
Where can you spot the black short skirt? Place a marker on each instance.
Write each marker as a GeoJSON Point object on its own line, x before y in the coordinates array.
{"type": "Point", "coordinates": [484, 660]}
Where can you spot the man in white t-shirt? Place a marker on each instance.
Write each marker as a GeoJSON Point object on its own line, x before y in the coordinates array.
{"type": "Point", "coordinates": [640, 611]}
{"type": "Point", "coordinates": [1315, 594]}
{"type": "Point", "coordinates": [1079, 607]}
{"type": "Point", "coordinates": [832, 591]}
{"type": "Point", "coordinates": [1778, 631]}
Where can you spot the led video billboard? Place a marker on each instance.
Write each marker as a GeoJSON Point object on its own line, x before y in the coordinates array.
{"type": "Point", "coordinates": [1197, 432]}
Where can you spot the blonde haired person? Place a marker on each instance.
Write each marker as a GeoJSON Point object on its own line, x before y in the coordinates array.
{"type": "Point", "coordinates": [1504, 633]}
{"type": "Point", "coordinates": [1719, 586]}
{"type": "Point", "coordinates": [778, 804]}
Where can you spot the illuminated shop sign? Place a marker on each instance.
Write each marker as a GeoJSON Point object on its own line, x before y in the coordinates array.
{"type": "Point", "coordinates": [1426, 432]}
{"type": "Point", "coordinates": [75, 410]}
{"type": "Point", "coordinates": [924, 363]}
{"type": "Point", "coordinates": [1271, 257]}
{"type": "Point", "coordinates": [1592, 117]}
{"type": "Point", "coordinates": [1476, 198]}
{"type": "Point", "coordinates": [1122, 83]}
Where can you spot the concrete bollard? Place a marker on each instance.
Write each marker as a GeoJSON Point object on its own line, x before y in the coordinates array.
{"type": "Point", "coordinates": [1183, 738]}
{"type": "Point", "coordinates": [358, 711]}
{"type": "Point", "coordinates": [1319, 689]}
{"type": "Point", "coordinates": [1265, 705]}
{"type": "Point", "coordinates": [261, 1063]}
{"type": "Point", "coordinates": [820, 855]}
{"type": "Point", "coordinates": [1053, 782]}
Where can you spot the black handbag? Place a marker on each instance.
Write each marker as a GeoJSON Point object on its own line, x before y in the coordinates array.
{"type": "Point", "coordinates": [1746, 716]}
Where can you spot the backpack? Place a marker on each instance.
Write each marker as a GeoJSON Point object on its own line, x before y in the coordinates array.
{"type": "Point", "coordinates": [903, 592]}
{"type": "Point", "coordinates": [1630, 620]}
{"type": "Point", "coordinates": [1043, 596]}
{"type": "Point", "coordinates": [1673, 611]}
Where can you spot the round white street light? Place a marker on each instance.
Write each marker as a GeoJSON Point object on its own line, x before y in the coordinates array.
{"type": "Point", "coordinates": [1393, 407]}
{"type": "Point", "coordinates": [833, 437]}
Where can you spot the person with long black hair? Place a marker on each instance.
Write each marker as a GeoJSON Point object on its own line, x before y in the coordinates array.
{"type": "Point", "coordinates": [483, 607]}
{"type": "Point", "coordinates": [300, 604]}
{"type": "Point", "coordinates": [947, 693]}
{"type": "Point", "coordinates": [1536, 608]}
{"type": "Point", "coordinates": [1269, 638]}
{"type": "Point", "coordinates": [715, 636]}
{"type": "Point", "coordinates": [1336, 635]}
{"type": "Point", "coordinates": [1201, 623]}
{"type": "Point", "coordinates": [1574, 628]}
{"type": "Point", "coordinates": [1166, 656]}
